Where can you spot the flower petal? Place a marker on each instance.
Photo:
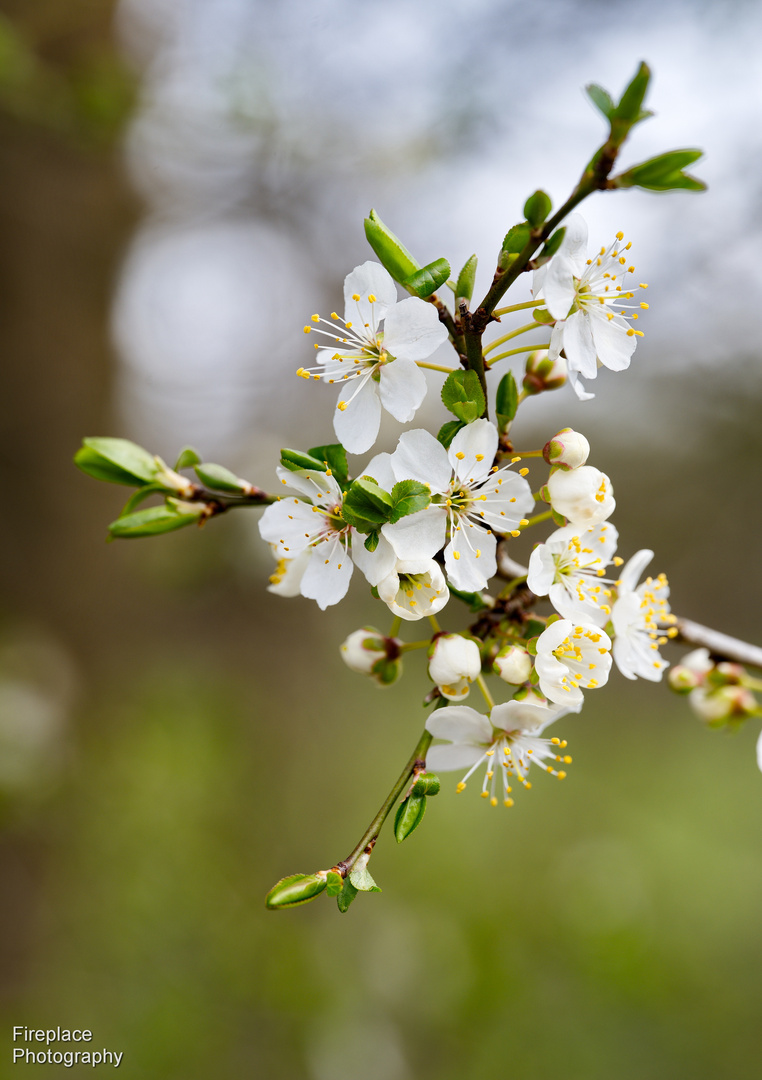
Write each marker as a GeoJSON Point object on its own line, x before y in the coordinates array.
{"type": "Point", "coordinates": [357, 426]}
{"type": "Point", "coordinates": [470, 557]}
{"type": "Point", "coordinates": [327, 577]}
{"type": "Point", "coordinates": [558, 287]}
{"type": "Point", "coordinates": [453, 756]}
{"type": "Point", "coordinates": [634, 567]}
{"type": "Point", "coordinates": [614, 346]}
{"type": "Point", "coordinates": [402, 389]}
{"type": "Point", "coordinates": [472, 451]}
{"type": "Point", "coordinates": [374, 564]}
{"type": "Point", "coordinates": [579, 346]}
{"type": "Point", "coordinates": [412, 330]}
{"type": "Point", "coordinates": [369, 278]}
{"type": "Point", "coordinates": [289, 525]}
{"type": "Point", "coordinates": [380, 468]}
{"type": "Point", "coordinates": [460, 724]}
{"type": "Point", "coordinates": [420, 535]}
{"type": "Point", "coordinates": [419, 456]}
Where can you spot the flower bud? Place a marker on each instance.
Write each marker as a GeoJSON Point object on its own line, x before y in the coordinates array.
{"type": "Point", "coordinates": [566, 450]}
{"type": "Point", "coordinates": [513, 664]}
{"type": "Point", "coordinates": [543, 373]}
{"type": "Point", "coordinates": [454, 663]}
{"type": "Point", "coordinates": [682, 679]}
{"type": "Point", "coordinates": [296, 889]}
{"type": "Point", "coordinates": [584, 496]}
{"type": "Point", "coordinates": [725, 674]}
{"type": "Point", "coordinates": [368, 652]}
{"type": "Point", "coordinates": [718, 707]}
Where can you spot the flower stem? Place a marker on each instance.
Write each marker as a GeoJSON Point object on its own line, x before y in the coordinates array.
{"type": "Point", "coordinates": [518, 307]}
{"type": "Point", "coordinates": [408, 646]}
{"type": "Point", "coordinates": [416, 763]}
{"type": "Point", "coordinates": [435, 367]}
{"type": "Point", "coordinates": [515, 352]}
{"type": "Point", "coordinates": [396, 624]}
{"type": "Point", "coordinates": [507, 337]}
{"type": "Point", "coordinates": [527, 453]}
{"type": "Point", "coordinates": [485, 691]}
{"type": "Point", "coordinates": [435, 624]}
{"type": "Point", "coordinates": [546, 515]}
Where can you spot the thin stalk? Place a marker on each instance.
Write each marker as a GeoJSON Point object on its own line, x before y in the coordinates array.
{"type": "Point", "coordinates": [485, 691]}
{"type": "Point", "coordinates": [515, 352]}
{"type": "Point", "coordinates": [435, 367]}
{"type": "Point", "coordinates": [396, 624]}
{"type": "Point", "coordinates": [545, 516]}
{"type": "Point", "coordinates": [518, 307]}
{"type": "Point", "coordinates": [415, 764]}
{"type": "Point", "coordinates": [527, 453]}
{"type": "Point", "coordinates": [507, 337]}
{"type": "Point", "coordinates": [435, 624]}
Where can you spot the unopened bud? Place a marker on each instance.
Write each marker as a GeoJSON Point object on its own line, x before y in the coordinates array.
{"type": "Point", "coordinates": [513, 664]}
{"type": "Point", "coordinates": [296, 889]}
{"type": "Point", "coordinates": [721, 706]}
{"type": "Point", "coordinates": [566, 450]}
{"type": "Point", "coordinates": [726, 674]}
{"type": "Point", "coordinates": [368, 652]}
{"type": "Point", "coordinates": [454, 663]}
{"type": "Point", "coordinates": [584, 495]}
{"type": "Point", "coordinates": [543, 373]}
{"type": "Point", "coordinates": [682, 679]}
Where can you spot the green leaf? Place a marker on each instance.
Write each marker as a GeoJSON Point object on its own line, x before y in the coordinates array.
{"type": "Point", "coordinates": [362, 881]}
{"type": "Point", "coordinates": [427, 784]}
{"type": "Point", "coordinates": [297, 459]}
{"type": "Point", "coordinates": [295, 890]}
{"type": "Point", "coordinates": [334, 883]}
{"type": "Point", "coordinates": [371, 540]}
{"type": "Point", "coordinates": [366, 506]}
{"type": "Point", "coordinates": [464, 288]}
{"type": "Point", "coordinates": [409, 816]}
{"type": "Point", "coordinates": [507, 400]}
{"type": "Point", "coordinates": [448, 431]}
{"type": "Point", "coordinates": [346, 896]}
{"type": "Point", "coordinates": [335, 457]}
{"type": "Point", "coordinates": [601, 99]}
{"type": "Point", "coordinates": [549, 249]}
{"type": "Point", "coordinates": [537, 207]}
{"type": "Point", "coordinates": [118, 461]}
{"type": "Point", "coordinates": [188, 457]}
{"type": "Point", "coordinates": [219, 478]}
{"type": "Point", "coordinates": [409, 496]}
{"type": "Point", "coordinates": [427, 280]}
{"type": "Point", "coordinates": [152, 522]}
{"type": "Point", "coordinates": [663, 173]}
{"type": "Point", "coordinates": [630, 107]}
{"type": "Point", "coordinates": [462, 394]}
{"type": "Point", "coordinates": [139, 496]}
{"type": "Point", "coordinates": [517, 238]}
{"type": "Point", "coordinates": [392, 254]}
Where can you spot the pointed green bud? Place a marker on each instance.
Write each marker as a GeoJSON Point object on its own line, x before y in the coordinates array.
{"type": "Point", "coordinates": [295, 890]}
{"type": "Point", "coordinates": [409, 816]}
{"type": "Point", "coordinates": [506, 401]}
{"type": "Point", "coordinates": [297, 459]}
{"type": "Point", "coordinates": [392, 254]}
{"type": "Point", "coordinates": [464, 288]}
{"type": "Point", "coordinates": [219, 478]}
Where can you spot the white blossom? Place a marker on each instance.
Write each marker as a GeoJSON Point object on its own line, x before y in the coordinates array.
{"type": "Point", "coordinates": [286, 578]}
{"type": "Point", "coordinates": [414, 588]}
{"type": "Point", "coordinates": [636, 615]}
{"type": "Point", "coordinates": [454, 663]}
{"type": "Point", "coordinates": [468, 494]}
{"type": "Point", "coordinates": [377, 366]}
{"type": "Point", "coordinates": [584, 496]}
{"type": "Point", "coordinates": [570, 569]}
{"type": "Point", "coordinates": [572, 658]}
{"type": "Point", "coordinates": [507, 741]}
{"type": "Point", "coordinates": [590, 302]}
{"type": "Point", "coordinates": [568, 449]}
{"type": "Point", "coordinates": [368, 652]}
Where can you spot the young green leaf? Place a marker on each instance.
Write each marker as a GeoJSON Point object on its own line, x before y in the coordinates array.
{"type": "Point", "coordinates": [346, 896]}
{"type": "Point", "coordinates": [427, 784]}
{"type": "Point", "coordinates": [549, 249]}
{"type": "Point", "coordinates": [187, 458]}
{"type": "Point", "coordinates": [464, 289]}
{"type": "Point", "coordinates": [537, 207]}
{"type": "Point", "coordinates": [152, 522]}
{"type": "Point", "coordinates": [295, 890]}
{"type": "Point", "coordinates": [118, 461]}
{"type": "Point", "coordinates": [335, 457]}
{"type": "Point", "coordinates": [219, 478]}
{"type": "Point", "coordinates": [334, 883]}
{"type": "Point", "coordinates": [366, 506]}
{"type": "Point", "coordinates": [392, 254]}
{"type": "Point", "coordinates": [448, 431]}
{"type": "Point", "coordinates": [427, 280]}
{"type": "Point", "coordinates": [630, 107]}
{"type": "Point", "coordinates": [297, 459]}
{"type": "Point", "coordinates": [601, 99]}
{"type": "Point", "coordinates": [506, 400]}
{"type": "Point", "coordinates": [362, 881]}
{"type": "Point", "coordinates": [517, 238]}
{"type": "Point", "coordinates": [409, 816]}
{"type": "Point", "coordinates": [663, 173]}
{"type": "Point", "coordinates": [462, 394]}
{"type": "Point", "coordinates": [473, 599]}
{"type": "Point", "coordinates": [372, 539]}
{"type": "Point", "coordinates": [408, 496]}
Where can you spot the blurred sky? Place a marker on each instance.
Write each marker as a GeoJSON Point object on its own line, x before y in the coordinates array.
{"type": "Point", "coordinates": [265, 133]}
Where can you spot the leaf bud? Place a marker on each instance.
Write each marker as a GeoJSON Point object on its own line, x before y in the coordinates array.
{"type": "Point", "coordinates": [391, 252]}
{"type": "Point", "coordinates": [568, 449]}
{"type": "Point", "coordinates": [513, 664]}
{"type": "Point", "coordinates": [368, 652]}
{"type": "Point", "coordinates": [295, 890]}
{"type": "Point", "coordinates": [454, 663]}
{"type": "Point", "coordinates": [541, 373]}
{"type": "Point", "coordinates": [409, 816]}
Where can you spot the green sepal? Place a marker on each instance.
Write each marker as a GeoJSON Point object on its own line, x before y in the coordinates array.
{"type": "Point", "coordinates": [542, 316]}
{"type": "Point", "coordinates": [366, 506]}
{"type": "Point", "coordinates": [219, 478]}
{"type": "Point", "coordinates": [372, 539]}
{"type": "Point", "coordinates": [392, 254]}
{"type": "Point", "coordinates": [506, 401]}
{"type": "Point", "coordinates": [559, 519]}
{"type": "Point", "coordinates": [334, 883]}
{"type": "Point", "coordinates": [408, 497]}
{"type": "Point", "coordinates": [537, 207]}
{"type": "Point", "coordinates": [187, 458]}
{"type": "Point", "coordinates": [531, 646]}
{"type": "Point", "coordinates": [462, 394]}
{"type": "Point", "coordinates": [464, 288]}
{"type": "Point", "coordinates": [387, 671]}
{"type": "Point", "coordinates": [427, 280]}
{"type": "Point", "coordinates": [297, 459]}
{"type": "Point", "coordinates": [427, 784]}
{"type": "Point", "coordinates": [335, 457]}
{"type": "Point", "coordinates": [152, 522]}
{"type": "Point", "coordinates": [517, 238]}
{"type": "Point", "coordinates": [601, 98]}
{"type": "Point", "coordinates": [663, 173]}
{"type": "Point", "coordinates": [346, 896]}
{"type": "Point", "coordinates": [473, 599]}
{"type": "Point", "coordinates": [362, 881]}
{"type": "Point", "coordinates": [295, 890]}
{"type": "Point", "coordinates": [409, 816]}
{"type": "Point", "coordinates": [117, 461]}
{"type": "Point", "coordinates": [448, 431]}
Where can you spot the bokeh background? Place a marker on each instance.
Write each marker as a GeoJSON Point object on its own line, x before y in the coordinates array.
{"type": "Point", "coordinates": [181, 184]}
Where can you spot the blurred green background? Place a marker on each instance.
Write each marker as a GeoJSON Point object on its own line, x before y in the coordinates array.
{"type": "Point", "coordinates": [173, 739]}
